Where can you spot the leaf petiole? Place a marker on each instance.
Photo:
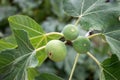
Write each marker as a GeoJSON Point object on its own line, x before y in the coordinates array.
{"type": "Point", "coordinates": [78, 20]}
{"type": "Point", "coordinates": [97, 34]}
{"type": "Point", "coordinates": [38, 49]}
{"type": "Point", "coordinates": [97, 62]}
{"type": "Point", "coordinates": [74, 65]}
{"type": "Point", "coordinates": [51, 33]}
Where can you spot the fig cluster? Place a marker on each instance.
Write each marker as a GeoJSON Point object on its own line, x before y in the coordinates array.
{"type": "Point", "coordinates": [56, 49]}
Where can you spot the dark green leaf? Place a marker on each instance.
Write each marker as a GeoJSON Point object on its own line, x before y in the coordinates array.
{"type": "Point", "coordinates": [95, 14]}
{"type": "Point", "coordinates": [99, 21]}
{"type": "Point", "coordinates": [47, 76]}
{"type": "Point", "coordinates": [111, 69]}
{"type": "Point", "coordinates": [15, 64]}
{"type": "Point", "coordinates": [78, 8]}
{"type": "Point", "coordinates": [112, 35]}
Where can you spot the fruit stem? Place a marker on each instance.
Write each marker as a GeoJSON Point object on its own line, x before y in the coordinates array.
{"type": "Point", "coordinates": [97, 34]}
{"type": "Point", "coordinates": [74, 65]}
{"type": "Point", "coordinates": [51, 33]}
{"type": "Point", "coordinates": [38, 49]}
{"type": "Point", "coordinates": [97, 62]}
{"type": "Point", "coordinates": [76, 23]}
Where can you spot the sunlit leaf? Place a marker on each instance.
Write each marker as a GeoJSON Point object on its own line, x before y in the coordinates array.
{"type": "Point", "coordinates": [35, 32]}
{"type": "Point", "coordinates": [25, 23]}
{"type": "Point", "coordinates": [6, 45]}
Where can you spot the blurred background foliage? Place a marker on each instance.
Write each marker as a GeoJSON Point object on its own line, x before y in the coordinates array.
{"type": "Point", "coordinates": [50, 15]}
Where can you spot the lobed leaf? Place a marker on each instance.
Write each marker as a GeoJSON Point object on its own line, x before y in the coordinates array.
{"type": "Point", "coordinates": [37, 36]}
{"type": "Point", "coordinates": [25, 23]}
{"type": "Point", "coordinates": [112, 35]}
{"type": "Point", "coordinates": [95, 14]}
{"type": "Point", "coordinates": [110, 69]}
{"type": "Point", "coordinates": [35, 32]}
{"type": "Point", "coordinates": [78, 8]}
{"type": "Point", "coordinates": [15, 63]}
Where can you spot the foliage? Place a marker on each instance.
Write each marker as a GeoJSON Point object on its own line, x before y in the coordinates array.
{"type": "Point", "coordinates": [23, 56]}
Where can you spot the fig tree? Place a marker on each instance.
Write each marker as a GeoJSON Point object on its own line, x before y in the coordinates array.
{"type": "Point", "coordinates": [70, 32]}
{"type": "Point", "coordinates": [81, 44]}
{"type": "Point", "coordinates": [56, 50]}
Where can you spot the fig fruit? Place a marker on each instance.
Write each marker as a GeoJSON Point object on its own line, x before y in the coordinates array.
{"type": "Point", "coordinates": [56, 50]}
{"type": "Point", "coordinates": [70, 32]}
{"type": "Point", "coordinates": [81, 44]}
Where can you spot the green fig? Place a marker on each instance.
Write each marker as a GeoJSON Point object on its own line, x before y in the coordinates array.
{"type": "Point", "coordinates": [70, 32]}
{"type": "Point", "coordinates": [81, 44]}
{"type": "Point", "coordinates": [56, 50]}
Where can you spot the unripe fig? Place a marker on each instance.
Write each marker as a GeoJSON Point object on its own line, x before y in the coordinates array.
{"type": "Point", "coordinates": [81, 44]}
{"type": "Point", "coordinates": [70, 32]}
{"type": "Point", "coordinates": [56, 50]}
